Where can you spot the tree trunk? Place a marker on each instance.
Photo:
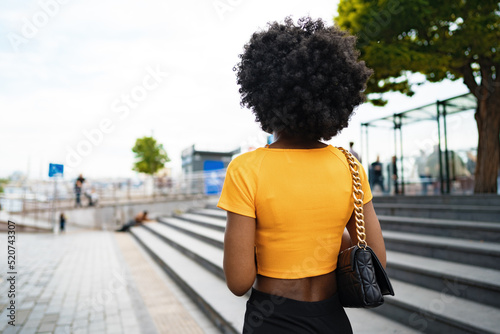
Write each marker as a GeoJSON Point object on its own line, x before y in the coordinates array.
{"type": "Point", "coordinates": [488, 149]}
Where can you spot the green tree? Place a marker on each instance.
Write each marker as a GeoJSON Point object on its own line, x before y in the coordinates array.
{"type": "Point", "coordinates": [2, 183]}
{"type": "Point", "coordinates": [449, 39]}
{"type": "Point", "coordinates": [150, 156]}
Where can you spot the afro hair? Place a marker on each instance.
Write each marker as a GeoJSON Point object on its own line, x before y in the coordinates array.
{"type": "Point", "coordinates": [302, 79]}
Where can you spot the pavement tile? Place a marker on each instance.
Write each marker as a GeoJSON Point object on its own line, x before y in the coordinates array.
{"type": "Point", "coordinates": [32, 323]}
{"type": "Point", "coordinates": [77, 283]}
{"type": "Point", "coordinates": [97, 326]}
{"type": "Point", "coordinates": [47, 327]}
{"type": "Point", "coordinates": [114, 331]}
{"type": "Point", "coordinates": [64, 320]}
{"type": "Point", "coordinates": [21, 316]}
{"type": "Point", "coordinates": [61, 330]}
{"type": "Point", "coordinates": [27, 330]}
{"type": "Point", "coordinates": [66, 314]}
{"type": "Point", "coordinates": [10, 330]}
{"type": "Point", "coordinates": [133, 330]}
{"type": "Point", "coordinates": [113, 328]}
{"type": "Point", "coordinates": [167, 312]}
{"type": "Point", "coordinates": [35, 315]}
{"type": "Point", "coordinates": [113, 319]}
{"type": "Point", "coordinates": [27, 305]}
{"type": "Point", "coordinates": [80, 326]}
{"type": "Point", "coordinates": [50, 317]}
{"type": "Point", "coordinates": [96, 317]}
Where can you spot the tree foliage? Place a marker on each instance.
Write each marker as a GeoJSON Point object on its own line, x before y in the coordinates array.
{"type": "Point", "coordinates": [448, 39]}
{"type": "Point", "coordinates": [150, 156]}
{"type": "Point", "coordinates": [2, 183]}
{"type": "Point", "coordinates": [441, 39]}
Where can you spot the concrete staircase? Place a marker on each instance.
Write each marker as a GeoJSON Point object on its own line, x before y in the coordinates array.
{"type": "Point", "coordinates": [446, 273]}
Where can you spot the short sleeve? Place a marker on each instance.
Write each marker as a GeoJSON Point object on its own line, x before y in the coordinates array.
{"type": "Point", "coordinates": [238, 191]}
{"type": "Point", "coordinates": [365, 184]}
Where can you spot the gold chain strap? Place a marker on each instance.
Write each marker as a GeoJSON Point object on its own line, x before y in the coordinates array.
{"type": "Point", "coordinates": [358, 198]}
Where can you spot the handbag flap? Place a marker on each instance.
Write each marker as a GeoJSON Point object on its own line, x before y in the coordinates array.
{"type": "Point", "coordinates": [382, 278]}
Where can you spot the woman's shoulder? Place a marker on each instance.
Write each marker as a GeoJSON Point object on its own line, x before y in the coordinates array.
{"type": "Point", "coordinates": [248, 157]}
{"type": "Point", "coordinates": [337, 152]}
{"type": "Point", "coordinates": [246, 165]}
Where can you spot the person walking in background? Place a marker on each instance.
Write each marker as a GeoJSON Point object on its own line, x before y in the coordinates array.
{"type": "Point", "coordinates": [81, 179]}
{"type": "Point", "coordinates": [78, 193]}
{"type": "Point", "coordinates": [351, 150]}
{"type": "Point", "coordinates": [377, 175]}
{"type": "Point", "coordinates": [423, 172]}
{"type": "Point", "coordinates": [78, 190]}
{"type": "Point", "coordinates": [62, 222]}
{"type": "Point", "coordinates": [395, 174]}
{"type": "Point", "coordinates": [302, 81]}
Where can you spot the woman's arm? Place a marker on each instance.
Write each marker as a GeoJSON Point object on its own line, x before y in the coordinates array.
{"type": "Point", "coordinates": [239, 257]}
{"type": "Point", "coordinates": [373, 232]}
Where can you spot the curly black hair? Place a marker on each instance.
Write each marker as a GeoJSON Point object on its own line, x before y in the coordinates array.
{"type": "Point", "coordinates": [304, 80]}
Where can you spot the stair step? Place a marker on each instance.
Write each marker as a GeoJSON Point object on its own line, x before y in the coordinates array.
{"type": "Point", "coordinates": [208, 291]}
{"type": "Point", "coordinates": [482, 231]}
{"type": "Point", "coordinates": [365, 321]}
{"type": "Point", "coordinates": [483, 254]}
{"type": "Point", "coordinates": [474, 283]}
{"type": "Point", "coordinates": [434, 312]}
{"type": "Point", "coordinates": [210, 256]}
{"type": "Point", "coordinates": [207, 255]}
{"type": "Point", "coordinates": [212, 212]}
{"type": "Point", "coordinates": [203, 233]}
{"type": "Point", "coordinates": [214, 223]}
{"type": "Point", "coordinates": [477, 199]}
{"type": "Point", "coordinates": [432, 295]}
{"type": "Point", "coordinates": [441, 211]}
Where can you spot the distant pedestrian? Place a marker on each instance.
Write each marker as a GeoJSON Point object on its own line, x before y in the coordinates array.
{"type": "Point", "coordinates": [351, 150]}
{"type": "Point", "coordinates": [423, 172]}
{"type": "Point", "coordinates": [78, 194]}
{"type": "Point", "coordinates": [78, 190]}
{"type": "Point", "coordinates": [81, 179]}
{"type": "Point", "coordinates": [377, 176]}
{"type": "Point", "coordinates": [62, 222]}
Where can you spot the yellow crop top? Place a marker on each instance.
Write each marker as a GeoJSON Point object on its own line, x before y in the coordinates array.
{"type": "Point", "coordinates": [301, 199]}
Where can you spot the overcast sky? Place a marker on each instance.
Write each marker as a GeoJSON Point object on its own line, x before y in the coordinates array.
{"type": "Point", "coordinates": [81, 80]}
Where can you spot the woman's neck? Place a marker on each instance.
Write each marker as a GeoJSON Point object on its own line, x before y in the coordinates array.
{"type": "Point", "coordinates": [282, 140]}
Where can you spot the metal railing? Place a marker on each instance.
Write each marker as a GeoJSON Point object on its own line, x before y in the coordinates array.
{"type": "Point", "coordinates": [38, 197]}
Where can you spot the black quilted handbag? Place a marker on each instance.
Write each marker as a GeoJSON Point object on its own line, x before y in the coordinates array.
{"type": "Point", "coordinates": [361, 280]}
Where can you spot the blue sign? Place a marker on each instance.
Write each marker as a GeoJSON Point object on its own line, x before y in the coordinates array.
{"type": "Point", "coordinates": [213, 177]}
{"type": "Point", "coordinates": [56, 170]}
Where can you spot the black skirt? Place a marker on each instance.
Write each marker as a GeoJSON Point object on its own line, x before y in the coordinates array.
{"type": "Point", "coordinates": [267, 313]}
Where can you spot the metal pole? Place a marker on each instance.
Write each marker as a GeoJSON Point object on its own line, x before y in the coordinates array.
{"type": "Point", "coordinates": [395, 156]}
{"type": "Point", "coordinates": [361, 145]}
{"type": "Point", "coordinates": [367, 146]}
{"type": "Point", "coordinates": [52, 213]}
{"type": "Point", "coordinates": [401, 152]}
{"type": "Point", "coordinates": [446, 159]}
{"type": "Point", "coordinates": [36, 204]}
{"type": "Point", "coordinates": [440, 159]}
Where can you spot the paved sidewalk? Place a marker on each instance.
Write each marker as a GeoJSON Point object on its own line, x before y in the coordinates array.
{"type": "Point", "coordinates": [168, 314]}
{"type": "Point", "coordinates": [77, 282]}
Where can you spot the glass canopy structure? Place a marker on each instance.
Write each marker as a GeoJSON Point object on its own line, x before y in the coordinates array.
{"type": "Point", "coordinates": [430, 130]}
